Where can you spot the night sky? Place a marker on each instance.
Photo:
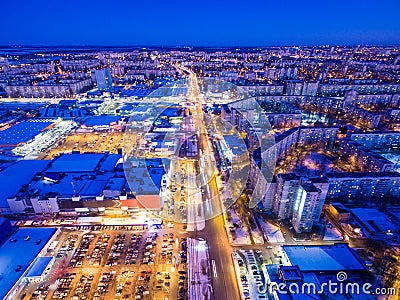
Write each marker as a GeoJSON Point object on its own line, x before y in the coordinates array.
{"type": "Point", "coordinates": [199, 23]}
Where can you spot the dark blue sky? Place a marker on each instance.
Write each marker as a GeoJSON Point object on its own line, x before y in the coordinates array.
{"type": "Point", "coordinates": [199, 22]}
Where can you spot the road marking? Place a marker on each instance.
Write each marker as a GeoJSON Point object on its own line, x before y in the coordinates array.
{"type": "Point", "coordinates": [214, 268]}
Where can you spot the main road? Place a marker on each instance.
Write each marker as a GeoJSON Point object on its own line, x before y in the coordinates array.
{"type": "Point", "coordinates": [224, 280]}
{"type": "Point", "coordinates": [225, 284]}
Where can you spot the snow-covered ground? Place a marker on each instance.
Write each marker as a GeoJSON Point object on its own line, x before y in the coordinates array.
{"type": "Point", "coordinates": [272, 233]}
{"type": "Point", "coordinates": [332, 234]}
{"type": "Point", "coordinates": [257, 237]}
{"type": "Point", "coordinates": [240, 236]}
{"type": "Point", "coordinates": [199, 271]}
{"type": "Point", "coordinates": [313, 164]}
{"type": "Point", "coordinates": [256, 233]}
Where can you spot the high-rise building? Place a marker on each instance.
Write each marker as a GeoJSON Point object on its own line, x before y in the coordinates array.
{"type": "Point", "coordinates": [286, 189]}
{"type": "Point", "coordinates": [306, 207]}
{"type": "Point", "coordinates": [294, 87]}
{"type": "Point", "coordinates": [4, 65]}
{"type": "Point", "coordinates": [103, 79]}
{"type": "Point", "coordinates": [299, 199]}
{"type": "Point", "coordinates": [310, 88]}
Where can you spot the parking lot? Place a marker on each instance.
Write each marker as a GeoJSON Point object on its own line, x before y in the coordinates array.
{"type": "Point", "coordinates": [115, 264]}
{"type": "Point", "coordinates": [175, 205]}
{"type": "Point", "coordinates": [86, 142]}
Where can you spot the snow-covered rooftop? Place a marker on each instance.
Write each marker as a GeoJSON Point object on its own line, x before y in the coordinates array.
{"type": "Point", "coordinates": [338, 257]}
{"type": "Point", "coordinates": [22, 251]}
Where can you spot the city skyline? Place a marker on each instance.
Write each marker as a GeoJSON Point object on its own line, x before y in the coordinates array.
{"type": "Point", "coordinates": [258, 23]}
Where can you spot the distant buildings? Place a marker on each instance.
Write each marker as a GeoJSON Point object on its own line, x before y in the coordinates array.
{"type": "Point", "coordinates": [331, 90]}
{"type": "Point", "coordinates": [263, 89]}
{"type": "Point", "coordinates": [281, 114]}
{"type": "Point", "coordinates": [363, 118]}
{"type": "Point", "coordinates": [324, 136]}
{"type": "Point", "coordinates": [48, 90]}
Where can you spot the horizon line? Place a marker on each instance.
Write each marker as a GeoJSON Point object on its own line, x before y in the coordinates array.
{"type": "Point", "coordinates": [206, 46]}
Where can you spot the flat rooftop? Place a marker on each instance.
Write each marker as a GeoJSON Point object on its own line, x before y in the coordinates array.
{"type": "Point", "coordinates": [21, 253]}
{"type": "Point", "coordinates": [23, 131]}
{"type": "Point", "coordinates": [235, 144]}
{"type": "Point", "coordinates": [110, 162]}
{"type": "Point", "coordinates": [78, 163]}
{"type": "Point", "coordinates": [144, 177]}
{"type": "Point", "coordinates": [103, 120]}
{"type": "Point", "coordinates": [17, 175]}
{"type": "Point", "coordinates": [337, 257]}
{"type": "Point", "coordinates": [83, 185]}
{"type": "Point", "coordinates": [291, 273]}
{"type": "Point", "coordinates": [340, 207]}
{"type": "Point", "coordinates": [39, 266]}
{"type": "Point", "coordinates": [374, 220]}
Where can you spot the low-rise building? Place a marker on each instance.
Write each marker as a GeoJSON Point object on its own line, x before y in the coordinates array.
{"type": "Point", "coordinates": [339, 211]}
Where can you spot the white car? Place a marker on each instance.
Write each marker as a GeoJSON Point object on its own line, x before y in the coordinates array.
{"type": "Point", "coordinates": [170, 225]}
